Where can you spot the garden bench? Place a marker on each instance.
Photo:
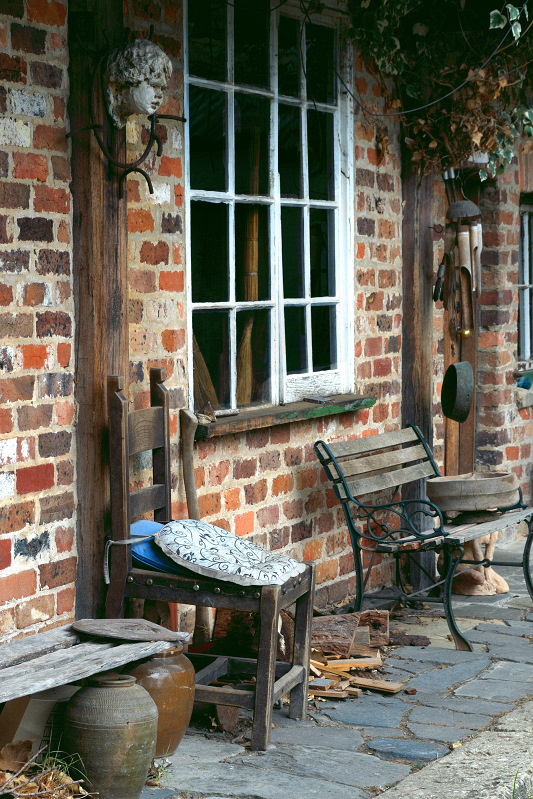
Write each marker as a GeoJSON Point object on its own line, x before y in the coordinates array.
{"type": "Point", "coordinates": [62, 655]}
{"type": "Point", "coordinates": [367, 473]}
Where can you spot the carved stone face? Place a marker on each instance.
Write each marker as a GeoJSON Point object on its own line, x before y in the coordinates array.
{"type": "Point", "coordinates": [145, 97]}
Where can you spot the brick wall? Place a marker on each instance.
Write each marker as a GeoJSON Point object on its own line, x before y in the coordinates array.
{"type": "Point", "coordinates": [37, 480]}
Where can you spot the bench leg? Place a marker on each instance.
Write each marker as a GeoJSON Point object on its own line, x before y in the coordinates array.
{"type": "Point", "coordinates": [302, 649]}
{"type": "Point", "coordinates": [453, 556]}
{"type": "Point", "coordinates": [526, 558]}
{"type": "Point", "coordinates": [266, 667]}
{"type": "Point", "coordinates": [359, 582]}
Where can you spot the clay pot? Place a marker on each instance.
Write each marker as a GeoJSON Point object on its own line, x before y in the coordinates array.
{"type": "Point", "coordinates": [169, 679]}
{"type": "Point", "coordinates": [111, 725]}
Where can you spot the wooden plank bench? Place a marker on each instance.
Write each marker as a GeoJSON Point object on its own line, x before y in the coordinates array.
{"type": "Point", "coordinates": [60, 656]}
{"type": "Point", "coordinates": [367, 473]}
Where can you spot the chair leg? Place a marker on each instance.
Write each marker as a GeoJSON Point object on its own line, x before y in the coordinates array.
{"type": "Point", "coordinates": [266, 667]}
{"type": "Point", "coordinates": [454, 556]}
{"type": "Point", "coordinates": [302, 649]}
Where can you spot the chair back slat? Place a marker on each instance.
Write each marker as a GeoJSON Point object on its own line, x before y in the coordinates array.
{"type": "Point", "coordinates": [390, 479]}
{"type": "Point", "coordinates": [358, 446]}
{"type": "Point", "coordinates": [384, 460]}
{"type": "Point", "coordinates": [146, 429]}
{"type": "Point", "coordinates": [147, 499]}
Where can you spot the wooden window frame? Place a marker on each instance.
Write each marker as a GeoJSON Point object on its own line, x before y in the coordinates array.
{"type": "Point", "coordinates": [287, 388]}
{"type": "Point", "coordinates": [525, 288]}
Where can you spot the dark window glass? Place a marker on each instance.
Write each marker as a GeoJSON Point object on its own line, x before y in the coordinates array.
{"type": "Point", "coordinates": [252, 123]}
{"type": "Point", "coordinates": [322, 252]}
{"type": "Point", "coordinates": [207, 137]}
{"type": "Point", "coordinates": [207, 38]}
{"type": "Point", "coordinates": [289, 164]}
{"type": "Point", "coordinates": [323, 338]}
{"type": "Point", "coordinates": [320, 155]}
{"type": "Point", "coordinates": [320, 63]}
{"type": "Point", "coordinates": [210, 358]}
{"type": "Point", "coordinates": [295, 346]}
{"type": "Point", "coordinates": [289, 57]}
{"type": "Point", "coordinates": [292, 252]}
{"type": "Point", "coordinates": [252, 35]}
{"type": "Point", "coordinates": [253, 357]}
{"type": "Point", "coordinates": [209, 251]}
{"type": "Point", "coordinates": [251, 253]}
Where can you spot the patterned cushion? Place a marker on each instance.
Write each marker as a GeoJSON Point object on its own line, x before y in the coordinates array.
{"type": "Point", "coordinates": [214, 552]}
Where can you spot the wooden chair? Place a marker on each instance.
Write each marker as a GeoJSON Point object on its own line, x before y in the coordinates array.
{"type": "Point", "coordinates": [366, 474]}
{"type": "Point", "coordinates": [132, 432]}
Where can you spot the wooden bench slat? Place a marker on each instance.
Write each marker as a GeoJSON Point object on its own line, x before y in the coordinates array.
{"type": "Point", "coordinates": [66, 666]}
{"type": "Point", "coordinates": [389, 479]}
{"type": "Point", "coordinates": [146, 429]}
{"type": "Point", "coordinates": [384, 460]}
{"type": "Point", "coordinates": [13, 653]}
{"type": "Point", "coordinates": [485, 528]}
{"type": "Point", "coordinates": [358, 446]}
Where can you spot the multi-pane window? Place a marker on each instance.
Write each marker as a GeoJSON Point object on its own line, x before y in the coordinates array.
{"type": "Point", "coordinates": [525, 285]}
{"type": "Point", "coordinates": [267, 225]}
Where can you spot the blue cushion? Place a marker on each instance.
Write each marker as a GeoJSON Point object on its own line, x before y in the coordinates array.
{"type": "Point", "coordinates": [147, 555]}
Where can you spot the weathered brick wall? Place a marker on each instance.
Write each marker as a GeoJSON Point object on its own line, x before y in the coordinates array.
{"type": "Point", "coordinates": [37, 480]}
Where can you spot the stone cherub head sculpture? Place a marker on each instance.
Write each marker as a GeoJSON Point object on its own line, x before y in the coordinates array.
{"type": "Point", "coordinates": [134, 80]}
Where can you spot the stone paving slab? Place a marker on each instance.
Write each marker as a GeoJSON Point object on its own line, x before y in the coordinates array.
{"type": "Point", "coordinates": [516, 628]}
{"type": "Point", "coordinates": [367, 712]}
{"type": "Point", "coordinates": [513, 653]}
{"type": "Point", "coordinates": [337, 738]}
{"type": "Point", "coordinates": [519, 720]}
{"type": "Point", "coordinates": [525, 626]}
{"type": "Point", "coordinates": [464, 705]}
{"type": "Point", "coordinates": [410, 666]}
{"type": "Point", "coordinates": [448, 718]}
{"type": "Point", "coordinates": [496, 690]}
{"type": "Point", "coordinates": [387, 732]}
{"type": "Point", "coordinates": [496, 639]}
{"type": "Point", "coordinates": [412, 751]}
{"type": "Point", "coordinates": [483, 768]}
{"type": "Point", "coordinates": [434, 732]}
{"type": "Point", "coordinates": [511, 672]}
{"type": "Point", "coordinates": [348, 768]}
{"type": "Point", "coordinates": [434, 654]}
{"type": "Point", "coordinates": [439, 680]}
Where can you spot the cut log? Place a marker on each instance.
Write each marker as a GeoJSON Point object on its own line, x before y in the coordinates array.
{"type": "Point", "coordinates": [377, 622]}
{"type": "Point", "coordinates": [364, 651]}
{"type": "Point", "coordinates": [335, 634]}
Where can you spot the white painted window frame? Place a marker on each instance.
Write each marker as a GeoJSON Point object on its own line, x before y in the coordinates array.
{"type": "Point", "coordinates": [287, 388]}
{"type": "Point", "coordinates": [525, 287]}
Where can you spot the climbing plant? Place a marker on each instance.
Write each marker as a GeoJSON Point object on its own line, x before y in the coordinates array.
{"type": "Point", "coordinates": [456, 73]}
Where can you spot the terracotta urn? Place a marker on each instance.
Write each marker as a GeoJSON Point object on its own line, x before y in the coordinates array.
{"type": "Point", "coordinates": [112, 725]}
{"type": "Point", "coordinates": [169, 679]}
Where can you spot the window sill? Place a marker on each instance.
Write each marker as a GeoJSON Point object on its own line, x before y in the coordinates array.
{"type": "Point", "coordinates": [272, 415]}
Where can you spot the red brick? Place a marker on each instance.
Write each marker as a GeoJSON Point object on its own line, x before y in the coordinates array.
{"type": "Point", "coordinates": [170, 167]}
{"type": "Point", "coordinates": [47, 137]}
{"type": "Point", "coordinates": [30, 166]}
{"type": "Point", "coordinates": [293, 509]}
{"type": "Point", "coordinates": [38, 609]}
{"type": "Point", "coordinates": [7, 621]}
{"type": "Point", "coordinates": [51, 200]}
{"type": "Point", "coordinates": [269, 461]}
{"type": "Point", "coordinates": [172, 281]}
{"type": "Point", "coordinates": [5, 553]}
{"type": "Point", "coordinates": [232, 499]}
{"type": "Point", "coordinates": [53, 323]}
{"type": "Point", "coordinates": [255, 493]}
{"type": "Point", "coordinates": [35, 478]}
{"type": "Point", "coordinates": [6, 294]}
{"type": "Point", "coordinates": [12, 69]}
{"type": "Point", "coordinates": [154, 253]}
{"type": "Point", "coordinates": [327, 570]}
{"type": "Point", "coordinates": [312, 550]}
{"type": "Point", "coordinates": [209, 504]}
{"type": "Point", "coordinates": [293, 456]}
{"type": "Point", "coordinates": [282, 484]}
{"type": "Point", "coordinates": [34, 356]}
{"type": "Point", "coordinates": [18, 585]}
{"type": "Point", "coordinates": [300, 531]}
{"type": "Point", "coordinates": [65, 601]}
{"type": "Point", "coordinates": [178, 196]}
{"type": "Point", "coordinates": [140, 221]}
{"type": "Point", "coordinates": [6, 420]}
{"type": "Point", "coordinates": [268, 516]}
{"type": "Point", "coordinates": [33, 294]}
{"type": "Point", "coordinates": [306, 479]}
{"type": "Point", "coordinates": [15, 389]}
{"type": "Point", "coordinates": [218, 473]}
{"type": "Point", "coordinates": [63, 354]}
{"type": "Point", "coordinates": [47, 12]}
{"type": "Point", "coordinates": [244, 468]}
{"type": "Point", "coordinates": [173, 340]}
{"type": "Point", "coordinates": [54, 575]}
{"type": "Point", "coordinates": [244, 523]}
{"type": "Point", "coordinates": [14, 195]}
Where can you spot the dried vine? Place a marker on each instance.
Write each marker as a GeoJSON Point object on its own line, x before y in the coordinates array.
{"type": "Point", "coordinates": [456, 75]}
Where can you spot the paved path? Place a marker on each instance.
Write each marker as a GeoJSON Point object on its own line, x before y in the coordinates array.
{"type": "Point", "coordinates": [463, 721]}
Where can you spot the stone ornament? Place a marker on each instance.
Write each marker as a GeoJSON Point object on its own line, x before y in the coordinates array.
{"type": "Point", "coordinates": [134, 80]}
{"type": "Point", "coordinates": [214, 552]}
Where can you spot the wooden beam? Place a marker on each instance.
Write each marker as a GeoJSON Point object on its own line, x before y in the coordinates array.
{"type": "Point", "coordinates": [100, 287]}
{"type": "Point", "coordinates": [417, 327]}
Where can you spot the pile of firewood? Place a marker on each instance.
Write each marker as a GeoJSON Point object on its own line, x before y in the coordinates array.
{"type": "Point", "coordinates": [345, 655]}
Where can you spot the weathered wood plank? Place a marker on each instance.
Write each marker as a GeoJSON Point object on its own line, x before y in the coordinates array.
{"type": "Point", "coordinates": [395, 477]}
{"type": "Point", "coordinates": [66, 666]}
{"type": "Point", "coordinates": [358, 446]}
{"type": "Point", "coordinates": [146, 429]}
{"type": "Point", "coordinates": [13, 653]}
{"type": "Point", "coordinates": [224, 696]}
{"type": "Point", "coordinates": [146, 499]}
{"type": "Point", "coordinates": [384, 460]}
{"type": "Point", "coordinates": [287, 682]}
{"type": "Point", "coordinates": [485, 528]}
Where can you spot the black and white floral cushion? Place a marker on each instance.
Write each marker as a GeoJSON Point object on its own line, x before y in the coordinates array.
{"type": "Point", "coordinates": [213, 552]}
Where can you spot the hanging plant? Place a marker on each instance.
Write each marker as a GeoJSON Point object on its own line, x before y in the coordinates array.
{"type": "Point", "coordinates": [456, 75]}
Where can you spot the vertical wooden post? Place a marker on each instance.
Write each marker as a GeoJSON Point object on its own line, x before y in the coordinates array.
{"type": "Point", "coordinates": [100, 285]}
{"type": "Point", "coordinates": [417, 326]}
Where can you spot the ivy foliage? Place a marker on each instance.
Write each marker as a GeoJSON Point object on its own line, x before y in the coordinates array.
{"type": "Point", "coordinates": [443, 67]}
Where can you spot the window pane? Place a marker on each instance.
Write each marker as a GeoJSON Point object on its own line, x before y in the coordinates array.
{"type": "Point", "coordinates": [209, 252]}
{"type": "Point", "coordinates": [295, 346]}
{"type": "Point", "coordinates": [320, 155]}
{"type": "Point", "coordinates": [292, 252]}
{"type": "Point", "coordinates": [252, 29]}
{"type": "Point", "coordinates": [252, 124]}
{"type": "Point", "coordinates": [289, 164]}
{"type": "Point", "coordinates": [253, 357]}
{"type": "Point", "coordinates": [288, 57]}
{"type": "Point", "coordinates": [251, 253]}
{"type": "Point", "coordinates": [210, 359]}
{"type": "Point", "coordinates": [323, 337]}
{"type": "Point", "coordinates": [207, 137]}
{"type": "Point", "coordinates": [320, 63]}
{"type": "Point", "coordinates": [207, 39]}
{"type": "Point", "coordinates": [322, 252]}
